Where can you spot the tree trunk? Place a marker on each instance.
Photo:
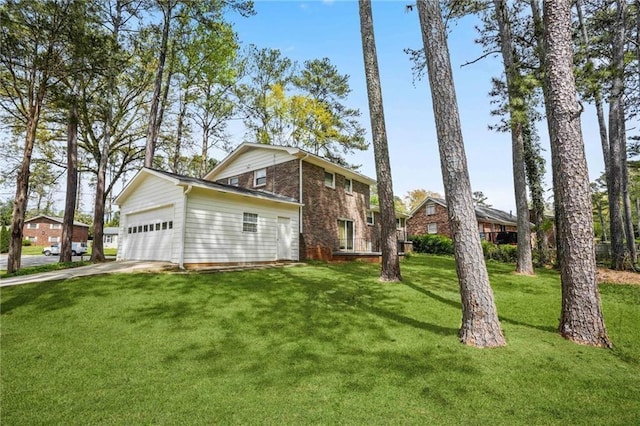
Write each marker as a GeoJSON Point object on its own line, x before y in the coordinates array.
{"type": "Point", "coordinates": [97, 250]}
{"type": "Point", "coordinates": [581, 319]}
{"type": "Point", "coordinates": [153, 126]}
{"type": "Point", "coordinates": [617, 145]}
{"type": "Point", "coordinates": [22, 187]}
{"type": "Point", "coordinates": [597, 95]}
{"type": "Point", "coordinates": [480, 324]}
{"type": "Point", "coordinates": [390, 270]}
{"type": "Point", "coordinates": [524, 264]}
{"type": "Point", "coordinates": [72, 183]}
{"type": "Point", "coordinates": [533, 172]}
{"type": "Point", "coordinates": [178, 148]}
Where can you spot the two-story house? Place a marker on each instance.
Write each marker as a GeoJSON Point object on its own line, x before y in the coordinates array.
{"type": "Point", "coordinates": [260, 204]}
{"type": "Point", "coordinates": [432, 217]}
{"type": "Point", "coordinates": [44, 230]}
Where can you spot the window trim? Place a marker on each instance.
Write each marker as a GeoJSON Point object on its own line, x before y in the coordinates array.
{"type": "Point", "coordinates": [348, 188]}
{"type": "Point", "coordinates": [232, 179]}
{"type": "Point", "coordinates": [257, 176]}
{"type": "Point", "coordinates": [32, 225]}
{"type": "Point", "coordinates": [332, 185]}
{"type": "Point", "coordinates": [430, 206]}
{"type": "Point", "coordinates": [429, 231]}
{"type": "Point", "coordinates": [366, 218]}
{"type": "Point", "coordinates": [55, 226]}
{"type": "Point", "coordinates": [249, 222]}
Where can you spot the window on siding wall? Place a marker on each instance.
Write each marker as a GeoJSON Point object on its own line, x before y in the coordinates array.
{"type": "Point", "coordinates": [431, 208]}
{"type": "Point", "coordinates": [55, 226]}
{"type": "Point", "coordinates": [234, 181]}
{"type": "Point", "coordinates": [32, 226]}
{"type": "Point", "coordinates": [329, 179]}
{"type": "Point", "coordinates": [348, 186]}
{"type": "Point", "coordinates": [108, 239]}
{"type": "Point", "coordinates": [432, 228]}
{"type": "Point", "coordinates": [249, 222]}
{"type": "Point", "coordinates": [260, 177]}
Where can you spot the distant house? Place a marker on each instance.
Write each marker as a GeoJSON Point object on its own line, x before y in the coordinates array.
{"type": "Point", "coordinates": [43, 230]}
{"type": "Point", "coordinates": [432, 217]}
{"type": "Point", "coordinates": [261, 203]}
{"type": "Point", "coordinates": [110, 237]}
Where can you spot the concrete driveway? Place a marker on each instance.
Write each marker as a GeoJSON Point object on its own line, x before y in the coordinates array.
{"type": "Point", "coordinates": [95, 269]}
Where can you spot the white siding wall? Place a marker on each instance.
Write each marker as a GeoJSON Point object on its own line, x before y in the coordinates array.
{"type": "Point", "coordinates": [153, 192]}
{"type": "Point", "coordinates": [213, 232]}
{"type": "Point", "coordinates": [253, 160]}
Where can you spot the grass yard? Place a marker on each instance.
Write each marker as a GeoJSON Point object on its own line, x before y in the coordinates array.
{"type": "Point", "coordinates": [317, 344]}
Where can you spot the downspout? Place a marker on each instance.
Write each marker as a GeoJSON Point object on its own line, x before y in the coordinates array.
{"type": "Point", "coordinates": [300, 198]}
{"type": "Point", "coordinates": [184, 226]}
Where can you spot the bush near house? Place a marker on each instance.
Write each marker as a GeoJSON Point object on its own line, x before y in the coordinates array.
{"type": "Point", "coordinates": [438, 244]}
{"type": "Point", "coordinates": [432, 244]}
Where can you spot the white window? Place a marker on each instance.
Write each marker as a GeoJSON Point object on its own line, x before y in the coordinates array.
{"type": "Point", "coordinates": [348, 186]}
{"type": "Point", "coordinates": [345, 234]}
{"type": "Point", "coordinates": [32, 239]}
{"type": "Point", "coordinates": [32, 226]}
{"type": "Point", "coordinates": [260, 177]}
{"type": "Point", "coordinates": [55, 226]}
{"type": "Point", "coordinates": [431, 209]}
{"type": "Point", "coordinates": [432, 228]}
{"type": "Point", "coordinates": [249, 222]}
{"type": "Point", "coordinates": [370, 220]}
{"type": "Point", "coordinates": [233, 181]}
{"type": "Point", "coordinates": [329, 179]}
{"type": "Point", "coordinates": [54, 239]}
{"type": "Point", "coordinates": [399, 222]}
{"type": "Point", "coordinates": [108, 239]}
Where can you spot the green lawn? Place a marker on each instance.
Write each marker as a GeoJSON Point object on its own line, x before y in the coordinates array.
{"type": "Point", "coordinates": [318, 344]}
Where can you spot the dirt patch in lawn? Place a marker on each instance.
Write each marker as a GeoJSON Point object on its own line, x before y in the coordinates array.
{"type": "Point", "coordinates": [618, 277]}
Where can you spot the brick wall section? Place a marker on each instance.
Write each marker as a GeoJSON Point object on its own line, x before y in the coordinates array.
{"type": "Point", "coordinates": [324, 206]}
{"type": "Point", "coordinates": [418, 223]}
{"type": "Point", "coordinates": [44, 232]}
{"type": "Point", "coordinates": [283, 179]}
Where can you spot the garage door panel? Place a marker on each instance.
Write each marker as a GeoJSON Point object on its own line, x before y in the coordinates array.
{"type": "Point", "coordinates": [149, 235]}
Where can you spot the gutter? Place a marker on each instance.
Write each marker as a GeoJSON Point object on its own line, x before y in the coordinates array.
{"type": "Point", "coordinates": [184, 226]}
{"type": "Point", "coordinates": [300, 226]}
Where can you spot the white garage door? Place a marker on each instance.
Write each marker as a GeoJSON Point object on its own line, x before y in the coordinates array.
{"type": "Point", "coordinates": [149, 235]}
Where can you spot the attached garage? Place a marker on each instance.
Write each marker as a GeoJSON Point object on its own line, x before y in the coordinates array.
{"type": "Point", "coordinates": [149, 234]}
{"type": "Point", "coordinates": [194, 222]}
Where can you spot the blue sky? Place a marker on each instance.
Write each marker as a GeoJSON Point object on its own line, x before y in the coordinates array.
{"type": "Point", "coordinates": [304, 30]}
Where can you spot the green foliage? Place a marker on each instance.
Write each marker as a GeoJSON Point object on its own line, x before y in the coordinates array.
{"type": "Point", "coordinates": [4, 239]}
{"type": "Point", "coordinates": [321, 344]}
{"type": "Point", "coordinates": [26, 243]}
{"type": "Point", "coordinates": [501, 253]}
{"type": "Point", "coordinates": [432, 244]}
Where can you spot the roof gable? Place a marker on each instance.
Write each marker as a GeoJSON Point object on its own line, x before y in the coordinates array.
{"type": "Point", "coordinates": [295, 153]}
{"type": "Point", "coordinates": [180, 180]}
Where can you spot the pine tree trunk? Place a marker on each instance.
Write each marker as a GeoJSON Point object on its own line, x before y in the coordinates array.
{"type": "Point", "coordinates": [72, 183]}
{"type": "Point", "coordinates": [390, 268]}
{"type": "Point", "coordinates": [22, 189]}
{"type": "Point", "coordinates": [480, 324]}
{"type": "Point", "coordinates": [524, 264]}
{"type": "Point", "coordinates": [97, 250]}
{"type": "Point", "coordinates": [581, 320]}
{"type": "Point", "coordinates": [153, 126]}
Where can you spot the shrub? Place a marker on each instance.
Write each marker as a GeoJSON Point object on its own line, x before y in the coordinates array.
{"type": "Point", "coordinates": [4, 239]}
{"type": "Point", "coordinates": [26, 243]}
{"type": "Point", "coordinates": [502, 253]}
{"type": "Point", "coordinates": [432, 244]}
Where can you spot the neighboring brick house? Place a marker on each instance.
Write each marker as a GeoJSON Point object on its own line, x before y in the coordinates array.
{"type": "Point", "coordinates": [432, 217]}
{"type": "Point", "coordinates": [44, 230]}
{"type": "Point", "coordinates": [335, 200]}
{"type": "Point", "coordinates": [373, 222]}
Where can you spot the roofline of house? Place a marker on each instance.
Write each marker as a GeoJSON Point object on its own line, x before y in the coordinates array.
{"type": "Point", "coordinates": [296, 152]}
{"type": "Point", "coordinates": [175, 179]}
{"type": "Point", "coordinates": [56, 219]}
